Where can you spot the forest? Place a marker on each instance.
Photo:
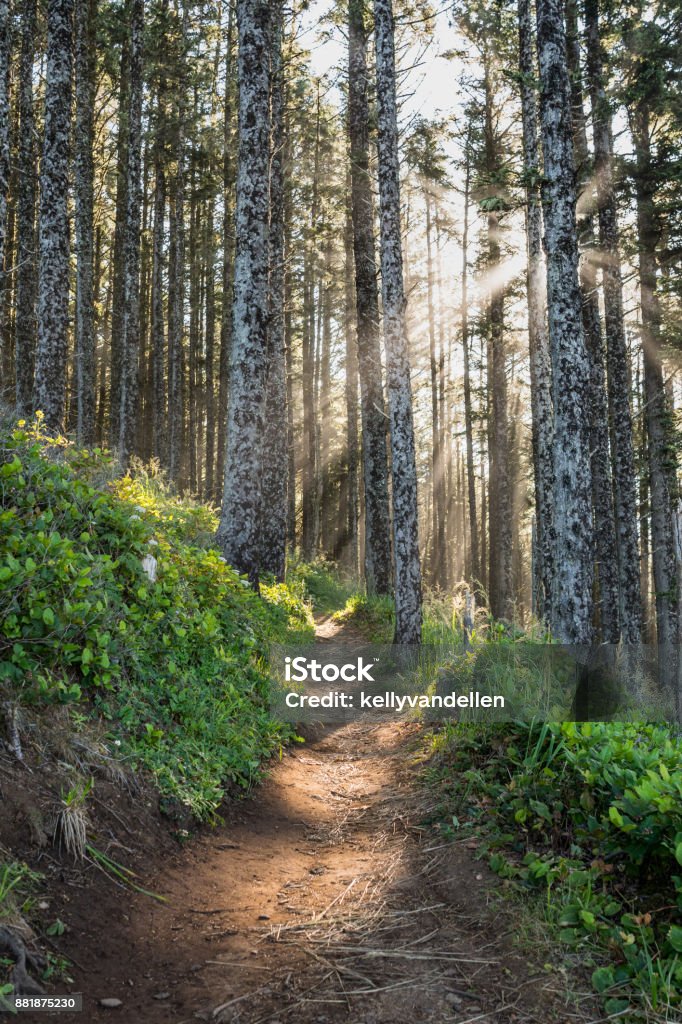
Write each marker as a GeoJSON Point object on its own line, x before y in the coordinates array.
{"type": "Point", "coordinates": [327, 324]}
{"type": "Point", "coordinates": [518, 370]}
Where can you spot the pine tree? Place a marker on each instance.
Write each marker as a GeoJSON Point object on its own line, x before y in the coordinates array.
{"type": "Point", "coordinates": [500, 508]}
{"type": "Point", "coordinates": [176, 268]}
{"type": "Point", "coordinates": [5, 34]}
{"type": "Point", "coordinates": [374, 453]}
{"type": "Point", "coordinates": [605, 545]}
{"type": "Point", "coordinates": [85, 34]}
{"type": "Point", "coordinates": [404, 470]}
{"type": "Point", "coordinates": [573, 576]}
{"type": "Point", "coordinates": [238, 529]}
{"type": "Point", "coordinates": [351, 540]}
{"type": "Point", "coordinates": [620, 416]}
{"type": "Point", "coordinates": [662, 463]}
{"type": "Point", "coordinates": [474, 566]}
{"type": "Point", "coordinates": [159, 445]}
{"type": "Point", "coordinates": [130, 338]}
{"type": "Point", "coordinates": [538, 340]}
{"type": "Point", "coordinates": [273, 530]}
{"type": "Point", "coordinates": [25, 320]}
{"type": "Point", "coordinates": [49, 389]}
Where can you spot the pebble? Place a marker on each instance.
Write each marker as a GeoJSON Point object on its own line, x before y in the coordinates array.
{"type": "Point", "coordinates": [161, 995]}
{"type": "Point", "coordinates": [110, 1004]}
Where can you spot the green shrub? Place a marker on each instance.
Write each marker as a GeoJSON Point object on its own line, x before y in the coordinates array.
{"type": "Point", "coordinates": [176, 664]}
{"type": "Point", "coordinates": [591, 815]}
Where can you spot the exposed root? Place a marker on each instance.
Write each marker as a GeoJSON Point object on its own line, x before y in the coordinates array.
{"type": "Point", "coordinates": [24, 985]}
{"type": "Point", "coordinates": [12, 724]}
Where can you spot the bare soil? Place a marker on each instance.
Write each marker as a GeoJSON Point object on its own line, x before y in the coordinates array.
{"type": "Point", "coordinates": [324, 898]}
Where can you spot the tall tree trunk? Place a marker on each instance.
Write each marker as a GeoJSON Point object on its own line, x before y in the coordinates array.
{"type": "Point", "coordinates": [118, 288]}
{"type": "Point", "coordinates": [239, 521]}
{"type": "Point", "coordinates": [374, 452]}
{"type": "Point", "coordinates": [351, 385]}
{"type": "Point", "coordinates": [662, 459]}
{"type": "Point", "coordinates": [158, 330]}
{"type": "Point", "coordinates": [309, 475]}
{"type": "Point", "coordinates": [500, 511]}
{"type": "Point", "coordinates": [573, 564]}
{"type": "Point", "coordinates": [49, 389]}
{"type": "Point", "coordinates": [5, 54]}
{"type": "Point", "coordinates": [85, 15]}
{"type": "Point", "coordinates": [26, 326]}
{"type": "Point", "coordinates": [538, 340]}
{"type": "Point", "coordinates": [228, 249]}
{"type": "Point", "coordinates": [158, 326]}
{"type": "Point", "coordinates": [327, 523]}
{"type": "Point", "coordinates": [194, 260]}
{"type": "Point", "coordinates": [404, 490]}
{"type": "Point", "coordinates": [435, 558]}
{"type": "Point", "coordinates": [176, 279]}
{"type": "Point", "coordinates": [209, 261]}
{"type": "Point", "coordinates": [619, 382]}
{"type": "Point", "coordinates": [468, 414]}
{"type": "Point", "coordinates": [289, 335]}
{"type": "Point", "coordinates": [273, 531]}
{"type": "Point", "coordinates": [605, 545]}
{"type": "Point", "coordinates": [130, 338]}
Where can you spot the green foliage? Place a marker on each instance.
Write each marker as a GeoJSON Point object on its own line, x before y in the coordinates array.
{"type": "Point", "coordinates": [17, 882]}
{"type": "Point", "coordinates": [175, 661]}
{"type": "Point", "coordinates": [321, 584]}
{"type": "Point", "coordinates": [373, 614]}
{"type": "Point", "coordinates": [590, 815]}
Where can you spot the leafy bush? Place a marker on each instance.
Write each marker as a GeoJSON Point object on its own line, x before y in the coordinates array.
{"type": "Point", "coordinates": [320, 583]}
{"type": "Point", "coordinates": [590, 814]}
{"type": "Point", "coordinates": [109, 593]}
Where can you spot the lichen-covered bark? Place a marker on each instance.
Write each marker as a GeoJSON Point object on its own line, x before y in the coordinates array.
{"type": "Point", "coordinates": [605, 545]}
{"type": "Point", "coordinates": [288, 340]}
{"type": "Point", "coordinates": [118, 266]}
{"type": "Point", "coordinates": [404, 471]}
{"type": "Point", "coordinates": [662, 458]}
{"type": "Point", "coordinates": [573, 562]}
{"type": "Point", "coordinates": [310, 498]}
{"type": "Point", "coordinates": [372, 411]}
{"type": "Point", "coordinates": [228, 249]}
{"type": "Point", "coordinates": [159, 429]}
{"type": "Point", "coordinates": [176, 282]}
{"type": "Point", "coordinates": [273, 532]}
{"type": "Point", "coordinates": [209, 347]}
{"type": "Point", "coordinates": [26, 278]}
{"type": "Point", "coordinates": [131, 249]}
{"type": "Point", "coordinates": [500, 578]}
{"type": "Point", "coordinates": [474, 563]}
{"type": "Point", "coordinates": [4, 140]}
{"type": "Point", "coordinates": [238, 529]}
{"type": "Point", "coordinates": [500, 574]}
{"type": "Point", "coordinates": [49, 388]}
{"type": "Point", "coordinates": [618, 371]}
{"type": "Point", "coordinates": [474, 566]}
{"type": "Point", "coordinates": [436, 555]}
{"type": "Point", "coordinates": [85, 14]}
{"type": "Point", "coordinates": [538, 340]}
{"type": "Point", "coordinates": [350, 540]}
{"type": "Point", "coordinates": [158, 339]}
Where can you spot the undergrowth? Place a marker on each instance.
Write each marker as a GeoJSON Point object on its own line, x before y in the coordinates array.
{"type": "Point", "coordinates": [112, 597]}
{"type": "Point", "coordinates": [588, 817]}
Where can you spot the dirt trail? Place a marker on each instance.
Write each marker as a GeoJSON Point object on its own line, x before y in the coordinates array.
{"type": "Point", "coordinates": [323, 900]}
